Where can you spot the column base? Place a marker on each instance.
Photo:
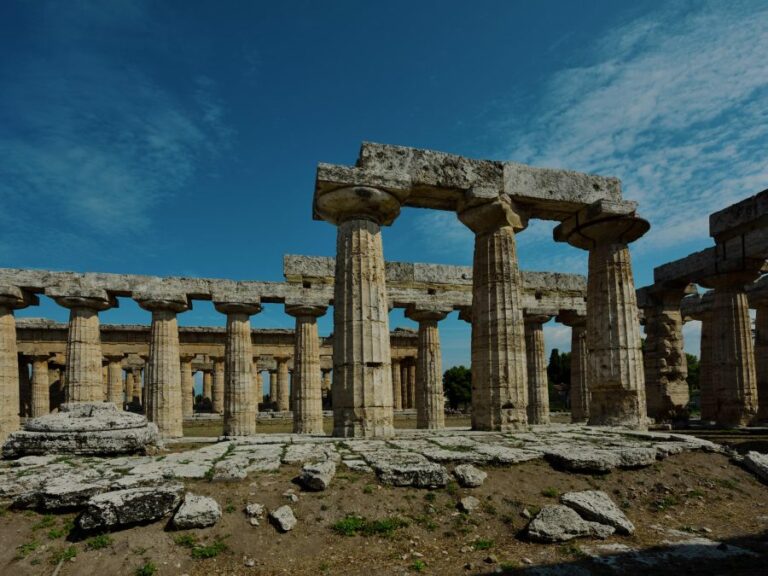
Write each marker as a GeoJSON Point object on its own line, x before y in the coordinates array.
{"type": "Point", "coordinates": [348, 424]}
{"type": "Point", "coordinates": [616, 407]}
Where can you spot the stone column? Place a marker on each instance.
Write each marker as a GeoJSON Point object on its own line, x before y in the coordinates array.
{"type": "Point", "coordinates": [499, 378]}
{"type": "Point", "coordinates": [258, 385]}
{"type": "Point", "coordinates": [138, 388]}
{"type": "Point", "coordinates": [128, 385]}
{"type": "Point", "coordinates": [707, 401]}
{"type": "Point", "coordinates": [281, 391]}
{"type": "Point", "coordinates": [105, 379]}
{"type": "Point", "coordinates": [615, 362]}
{"type": "Point", "coordinates": [25, 387]}
{"type": "Point", "coordinates": [307, 383]}
{"type": "Point", "coordinates": [217, 389]}
{"type": "Point", "coordinates": [326, 382]}
{"type": "Point", "coordinates": [83, 371]}
{"type": "Point", "coordinates": [41, 403]}
{"type": "Point", "coordinates": [666, 367]}
{"type": "Point", "coordinates": [412, 383]}
{"type": "Point", "coordinates": [208, 385]}
{"type": "Point", "coordinates": [430, 401]}
{"type": "Point", "coordinates": [115, 380]}
{"type": "Point", "coordinates": [406, 397]}
{"type": "Point", "coordinates": [761, 359]}
{"type": "Point", "coordinates": [733, 357]}
{"type": "Point", "coordinates": [536, 359]}
{"type": "Point", "coordinates": [163, 378]}
{"type": "Point", "coordinates": [187, 386]}
{"type": "Point", "coordinates": [273, 388]}
{"type": "Point", "coordinates": [240, 404]}
{"type": "Point", "coordinates": [11, 298]}
{"type": "Point", "coordinates": [579, 387]}
{"type": "Point", "coordinates": [397, 388]}
{"type": "Point", "coordinates": [362, 372]}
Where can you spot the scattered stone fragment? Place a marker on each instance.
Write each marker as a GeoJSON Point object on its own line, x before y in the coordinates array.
{"type": "Point", "coordinates": [196, 512]}
{"type": "Point", "coordinates": [254, 510]}
{"type": "Point", "coordinates": [469, 476]}
{"type": "Point", "coordinates": [317, 476]}
{"type": "Point", "coordinates": [283, 518]}
{"type": "Point", "coordinates": [597, 506]}
{"type": "Point", "coordinates": [291, 495]}
{"type": "Point", "coordinates": [490, 559]}
{"type": "Point", "coordinates": [527, 561]}
{"type": "Point", "coordinates": [419, 475]}
{"type": "Point", "coordinates": [249, 562]}
{"type": "Point", "coordinates": [130, 506]}
{"type": "Point", "coordinates": [61, 493]}
{"type": "Point", "coordinates": [560, 523]}
{"type": "Point", "coordinates": [468, 504]}
{"type": "Point", "coordinates": [757, 463]}
{"type": "Point", "coordinates": [526, 513]}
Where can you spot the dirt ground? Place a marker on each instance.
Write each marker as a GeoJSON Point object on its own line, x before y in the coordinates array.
{"type": "Point", "coordinates": [689, 492]}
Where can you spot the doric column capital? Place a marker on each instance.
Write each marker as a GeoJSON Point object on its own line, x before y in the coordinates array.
{"type": "Point", "coordinates": [536, 318]}
{"type": "Point", "coordinates": [186, 358]}
{"type": "Point", "coordinates": [161, 300]}
{"type": "Point", "coordinates": [237, 304]}
{"type": "Point", "coordinates": [431, 313]}
{"type": "Point", "coordinates": [572, 318]}
{"type": "Point", "coordinates": [466, 314]}
{"type": "Point", "coordinates": [358, 203]}
{"type": "Point", "coordinates": [484, 211]}
{"type": "Point", "coordinates": [114, 357]}
{"type": "Point", "coordinates": [604, 221]}
{"type": "Point", "coordinates": [41, 357]}
{"type": "Point", "coordinates": [14, 298]}
{"type": "Point", "coordinates": [81, 297]}
{"type": "Point", "coordinates": [305, 310]}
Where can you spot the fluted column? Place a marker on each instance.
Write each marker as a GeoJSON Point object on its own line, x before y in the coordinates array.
{"type": "Point", "coordinates": [499, 378]}
{"type": "Point", "coordinates": [138, 387]}
{"type": "Point", "coordinates": [163, 376]}
{"type": "Point", "coordinates": [307, 383]}
{"type": "Point", "coordinates": [217, 388]}
{"type": "Point", "coordinates": [615, 361]}
{"type": "Point", "coordinates": [84, 376]}
{"type": "Point", "coordinates": [397, 387]}
{"type": "Point", "coordinates": [761, 359]}
{"type": "Point", "coordinates": [10, 298]}
{"type": "Point", "coordinates": [281, 391]}
{"type": "Point", "coordinates": [40, 402]}
{"type": "Point", "coordinates": [362, 373]}
{"type": "Point", "coordinates": [240, 404]}
{"type": "Point", "coordinates": [128, 383]}
{"type": "Point", "coordinates": [25, 387]}
{"type": "Point", "coordinates": [666, 367]}
{"type": "Point", "coordinates": [430, 400]}
{"type": "Point", "coordinates": [326, 382]}
{"type": "Point", "coordinates": [412, 383]}
{"type": "Point", "coordinates": [115, 380]}
{"type": "Point", "coordinates": [406, 398]}
{"type": "Point", "coordinates": [536, 359]}
{"type": "Point", "coordinates": [579, 395]}
{"type": "Point", "coordinates": [258, 384]}
{"type": "Point", "coordinates": [733, 357]}
{"type": "Point", "coordinates": [707, 400]}
{"type": "Point", "coordinates": [187, 386]}
{"type": "Point", "coordinates": [208, 385]}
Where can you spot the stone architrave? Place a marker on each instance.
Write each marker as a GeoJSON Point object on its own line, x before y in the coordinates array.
{"type": "Point", "coordinates": [761, 359]}
{"type": "Point", "coordinates": [499, 371]}
{"type": "Point", "coordinates": [84, 377]}
{"type": "Point", "coordinates": [615, 362]}
{"type": "Point", "coordinates": [187, 386]}
{"type": "Point", "coordinates": [217, 388]}
{"type": "Point", "coordinates": [162, 383]}
{"type": "Point", "coordinates": [579, 396]}
{"type": "Point", "coordinates": [208, 385]}
{"type": "Point", "coordinates": [41, 404]}
{"type": "Point", "coordinates": [362, 372]}
{"type": "Point", "coordinates": [11, 298]}
{"type": "Point", "coordinates": [240, 405]}
{"type": "Point", "coordinates": [115, 380]}
{"type": "Point", "coordinates": [430, 400]}
{"type": "Point", "coordinates": [282, 389]}
{"type": "Point", "coordinates": [397, 387]}
{"type": "Point", "coordinates": [666, 367]}
{"type": "Point", "coordinates": [307, 383]}
{"type": "Point", "coordinates": [734, 375]}
{"type": "Point", "coordinates": [538, 382]}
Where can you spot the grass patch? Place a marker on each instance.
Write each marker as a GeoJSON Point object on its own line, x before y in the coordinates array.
{"type": "Point", "coordinates": [99, 542]}
{"type": "Point", "coordinates": [664, 503]}
{"type": "Point", "coordinates": [63, 554]}
{"type": "Point", "coordinates": [24, 550]}
{"type": "Point", "coordinates": [550, 492]}
{"type": "Point", "coordinates": [483, 544]}
{"type": "Point", "coordinates": [452, 487]}
{"type": "Point", "coordinates": [146, 569]}
{"type": "Point", "coordinates": [572, 550]}
{"type": "Point", "coordinates": [45, 522]}
{"type": "Point", "coordinates": [368, 489]}
{"type": "Point", "coordinates": [354, 525]}
{"type": "Point", "coordinates": [430, 496]}
{"type": "Point", "coordinates": [186, 540]}
{"type": "Point", "coordinates": [419, 565]}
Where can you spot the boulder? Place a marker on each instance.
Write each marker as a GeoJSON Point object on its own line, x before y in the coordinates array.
{"type": "Point", "coordinates": [317, 476]}
{"type": "Point", "coordinates": [196, 512]}
{"type": "Point", "coordinates": [283, 518]}
{"type": "Point", "coordinates": [130, 506]}
{"type": "Point", "coordinates": [417, 474]}
{"type": "Point", "coordinates": [560, 523]}
{"type": "Point", "coordinates": [757, 463]}
{"type": "Point", "coordinates": [468, 504]}
{"type": "Point", "coordinates": [597, 506]}
{"type": "Point", "coordinates": [469, 476]}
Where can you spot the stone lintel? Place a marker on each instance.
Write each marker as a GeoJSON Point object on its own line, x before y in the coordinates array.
{"type": "Point", "coordinates": [657, 295]}
{"type": "Point", "coordinates": [739, 217]}
{"type": "Point", "coordinates": [604, 220]}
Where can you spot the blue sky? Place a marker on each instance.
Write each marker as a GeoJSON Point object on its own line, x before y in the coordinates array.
{"type": "Point", "coordinates": [182, 137]}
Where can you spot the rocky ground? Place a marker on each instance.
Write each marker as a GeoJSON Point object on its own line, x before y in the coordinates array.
{"type": "Point", "coordinates": [555, 500]}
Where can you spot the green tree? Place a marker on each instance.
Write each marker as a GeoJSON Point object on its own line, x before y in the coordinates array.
{"type": "Point", "coordinates": [457, 386]}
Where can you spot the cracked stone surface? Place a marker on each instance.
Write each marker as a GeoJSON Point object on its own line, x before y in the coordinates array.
{"type": "Point", "coordinates": [560, 523]}
{"type": "Point", "coordinates": [597, 506]}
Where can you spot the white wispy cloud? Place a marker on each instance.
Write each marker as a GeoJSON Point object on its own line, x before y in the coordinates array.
{"type": "Point", "coordinates": [91, 142]}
